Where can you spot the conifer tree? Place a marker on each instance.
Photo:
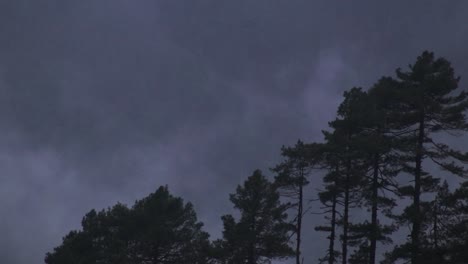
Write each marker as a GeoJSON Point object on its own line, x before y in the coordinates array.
{"type": "Point", "coordinates": [329, 199]}
{"type": "Point", "coordinates": [376, 144]}
{"type": "Point", "coordinates": [262, 232]}
{"type": "Point", "coordinates": [291, 179]}
{"type": "Point", "coordinates": [343, 148]}
{"type": "Point", "coordinates": [160, 228]}
{"type": "Point", "coordinates": [429, 103]}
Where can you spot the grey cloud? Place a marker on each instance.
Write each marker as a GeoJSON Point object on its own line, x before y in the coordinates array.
{"type": "Point", "coordinates": [102, 101]}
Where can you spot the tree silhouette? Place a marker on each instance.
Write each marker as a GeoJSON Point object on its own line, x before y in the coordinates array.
{"type": "Point", "coordinates": [292, 177]}
{"type": "Point", "coordinates": [157, 229]}
{"type": "Point", "coordinates": [262, 232]}
{"type": "Point", "coordinates": [428, 104]}
{"type": "Point", "coordinates": [343, 145]}
{"type": "Point", "coordinates": [377, 145]}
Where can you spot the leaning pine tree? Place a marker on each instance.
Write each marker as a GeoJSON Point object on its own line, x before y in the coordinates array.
{"type": "Point", "coordinates": [429, 103]}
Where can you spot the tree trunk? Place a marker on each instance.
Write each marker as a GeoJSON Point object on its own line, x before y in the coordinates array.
{"type": "Point", "coordinates": [299, 221]}
{"type": "Point", "coordinates": [436, 230]}
{"type": "Point", "coordinates": [346, 213]}
{"type": "Point", "coordinates": [415, 234]}
{"type": "Point", "coordinates": [374, 223]}
{"type": "Point", "coordinates": [331, 248]}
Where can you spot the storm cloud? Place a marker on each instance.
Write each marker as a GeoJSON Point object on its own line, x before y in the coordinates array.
{"type": "Point", "coordinates": [103, 101]}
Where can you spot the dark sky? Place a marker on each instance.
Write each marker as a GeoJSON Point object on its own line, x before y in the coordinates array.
{"type": "Point", "coordinates": [103, 101]}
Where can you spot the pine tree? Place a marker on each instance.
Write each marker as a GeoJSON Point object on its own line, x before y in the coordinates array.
{"type": "Point", "coordinates": [329, 199]}
{"type": "Point", "coordinates": [292, 177]}
{"type": "Point", "coordinates": [429, 104]}
{"type": "Point", "coordinates": [160, 228]}
{"type": "Point", "coordinates": [346, 160]}
{"type": "Point", "coordinates": [373, 113]}
{"type": "Point", "coordinates": [262, 232]}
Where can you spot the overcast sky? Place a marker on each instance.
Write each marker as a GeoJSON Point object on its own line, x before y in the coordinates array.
{"type": "Point", "coordinates": [103, 101]}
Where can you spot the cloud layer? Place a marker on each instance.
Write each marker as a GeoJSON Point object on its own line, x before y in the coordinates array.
{"type": "Point", "coordinates": [103, 101]}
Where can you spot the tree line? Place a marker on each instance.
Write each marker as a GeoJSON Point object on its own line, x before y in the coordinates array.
{"type": "Point", "coordinates": [378, 162]}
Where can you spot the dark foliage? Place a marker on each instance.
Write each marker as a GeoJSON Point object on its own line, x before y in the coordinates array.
{"type": "Point", "coordinates": [157, 229]}
{"type": "Point", "coordinates": [262, 232]}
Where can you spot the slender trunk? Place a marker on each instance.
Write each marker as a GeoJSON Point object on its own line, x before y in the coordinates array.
{"type": "Point", "coordinates": [299, 221]}
{"type": "Point", "coordinates": [415, 234]}
{"type": "Point", "coordinates": [346, 213]}
{"type": "Point", "coordinates": [331, 248]}
{"type": "Point", "coordinates": [374, 223]}
{"type": "Point", "coordinates": [436, 231]}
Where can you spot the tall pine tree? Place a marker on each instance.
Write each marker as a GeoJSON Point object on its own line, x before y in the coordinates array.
{"type": "Point", "coordinates": [348, 163]}
{"type": "Point", "coordinates": [373, 112]}
{"type": "Point", "coordinates": [292, 177]}
{"type": "Point", "coordinates": [430, 104]}
{"type": "Point", "coordinates": [262, 232]}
